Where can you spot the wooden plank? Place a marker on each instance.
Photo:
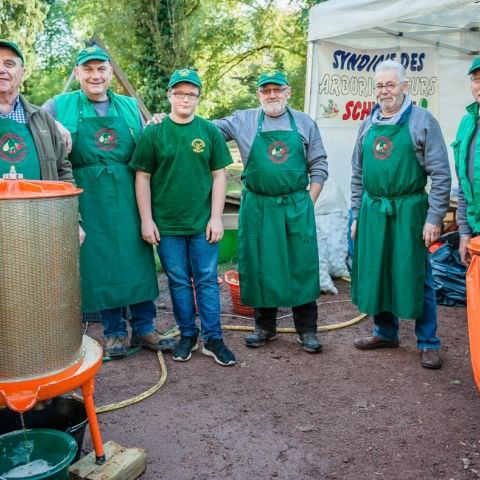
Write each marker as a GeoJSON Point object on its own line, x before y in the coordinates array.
{"type": "Point", "coordinates": [122, 464]}
{"type": "Point", "coordinates": [230, 221]}
{"type": "Point", "coordinates": [232, 199]}
{"type": "Point", "coordinates": [127, 464]}
{"type": "Point", "coordinates": [86, 465]}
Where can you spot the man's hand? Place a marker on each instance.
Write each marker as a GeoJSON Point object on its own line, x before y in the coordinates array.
{"type": "Point", "coordinates": [353, 229]}
{"type": "Point", "coordinates": [431, 233]}
{"type": "Point", "coordinates": [315, 190]}
{"type": "Point", "coordinates": [150, 233]}
{"type": "Point", "coordinates": [157, 118]}
{"type": "Point", "coordinates": [81, 234]}
{"type": "Point", "coordinates": [214, 232]}
{"type": "Point", "coordinates": [66, 137]}
{"type": "Point", "coordinates": [465, 256]}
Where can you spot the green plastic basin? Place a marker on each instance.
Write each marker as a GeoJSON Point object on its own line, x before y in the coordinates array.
{"type": "Point", "coordinates": [227, 248]}
{"type": "Point", "coordinates": [55, 447]}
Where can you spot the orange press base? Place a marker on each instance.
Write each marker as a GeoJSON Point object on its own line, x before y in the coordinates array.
{"type": "Point", "coordinates": [24, 394]}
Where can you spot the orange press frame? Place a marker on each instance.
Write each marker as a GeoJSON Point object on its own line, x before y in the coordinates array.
{"type": "Point", "coordinates": [473, 307]}
{"type": "Point", "coordinates": [23, 395]}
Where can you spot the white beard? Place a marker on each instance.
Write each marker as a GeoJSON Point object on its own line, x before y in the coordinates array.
{"type": "Point", "coordinates": [274, 109]}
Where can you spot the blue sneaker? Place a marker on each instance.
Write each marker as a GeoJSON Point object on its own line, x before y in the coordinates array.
{"type": "Point", "coordinates": [184, 348]}
{"type": "Point", "coordinates": [219, 351]}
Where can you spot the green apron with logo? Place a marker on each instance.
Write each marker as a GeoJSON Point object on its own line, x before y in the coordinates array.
{"type": "Point", "coordinates": [389, 259]}
{"type": "Point", "coordinates": [278, 256]}
{"type": "Point", "coordinates": [116, 265]}
{"type": "Point", "coordinates": [17, 149]}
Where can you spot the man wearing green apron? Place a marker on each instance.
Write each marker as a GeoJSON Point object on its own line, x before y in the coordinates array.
{"type": "Point", "coordinates": [283, 155]}
{"type": "Point", "coordinates": [116, 266]}
{"type": "Point", "coordinates": [29, 138]}
{"type": "Point", "coordinates": [399, 145]}
{"type": "Point", "coordinates": [466, 149]}
{"type": "Point", "coordinates": [180, 183]}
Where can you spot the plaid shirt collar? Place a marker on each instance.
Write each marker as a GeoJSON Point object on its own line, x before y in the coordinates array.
{"type": "Point", "coordinates": [17, 113]}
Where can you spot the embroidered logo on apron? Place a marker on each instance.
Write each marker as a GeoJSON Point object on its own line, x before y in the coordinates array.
{"type": "Point", "coordinates": [278, 152]}
{"type": "Point", "coordinates": [12, 148]}
{"type": "Point", "coordinates": [198, 145]}
{"type": "Point", "coordinates": [382, 148]}
{"type": "Point", "coordinates": [106, 139]}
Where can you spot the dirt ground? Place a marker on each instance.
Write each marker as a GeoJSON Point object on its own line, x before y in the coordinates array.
{"type": "Point", "coordinates": [281, 413]}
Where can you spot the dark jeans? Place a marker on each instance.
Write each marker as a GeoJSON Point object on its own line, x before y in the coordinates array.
{"type": "Point", "coordinates": [142, 320]}
{"type": "Point", "coordinates": [386, 324]}
{"type": "Point", "coordinates": [184, 257]}
{"type": "Point", "coordinates": [304, 317]}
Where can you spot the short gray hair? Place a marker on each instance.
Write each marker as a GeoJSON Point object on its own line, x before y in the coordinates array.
{"type": "Point", "coordinates": [391, 65]}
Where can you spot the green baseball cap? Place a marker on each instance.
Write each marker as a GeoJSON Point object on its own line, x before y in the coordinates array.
{"type": "Point", "coordinates": [91, 53]}
{"type": "Point", "coordinates": [277, 77]}
{"type": "Point", "coordinates": [185, 75]}
{"type": "Point", "coordinates": [474, 66]}
{"type": "Point", "coordinates": [12, 46]}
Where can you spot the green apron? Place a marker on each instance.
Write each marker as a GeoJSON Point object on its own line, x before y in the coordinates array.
{"type": "Point", "coordinates": [389, 258]}
{"type": "Point", "coordinates": [461, 150]}
{"type": "Point", "coordinates": [116, 265]}
{"type": "Point", "coordinates": [17, 148]}
{"type": "Point", "coordinates": [278, 256]}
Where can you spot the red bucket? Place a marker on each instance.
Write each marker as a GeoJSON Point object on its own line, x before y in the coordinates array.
{"type": "Point", "coordinates": [233, 281]}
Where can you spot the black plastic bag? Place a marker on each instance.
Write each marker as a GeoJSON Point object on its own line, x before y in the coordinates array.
{"type": "Point", "coordinates": [449, 272]}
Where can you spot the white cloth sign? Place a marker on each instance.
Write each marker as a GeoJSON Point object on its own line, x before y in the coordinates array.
{"type": "Point", "coordinates": [346, 84]}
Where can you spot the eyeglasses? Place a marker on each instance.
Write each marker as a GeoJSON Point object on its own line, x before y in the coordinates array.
{"type": "Point", "coordinates": [275, 91]}
{"type": "Point", "coordinates": [389, 86]}
{"type": "Point", "coordinates": [189, 96]}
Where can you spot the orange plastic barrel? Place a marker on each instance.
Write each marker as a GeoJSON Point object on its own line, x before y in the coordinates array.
{"type": "Point", "coordinates": [233, 281]}
{"type": "Point", "coordinates": [473, 307]}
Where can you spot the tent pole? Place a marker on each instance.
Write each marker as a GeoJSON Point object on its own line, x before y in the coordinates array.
{"type": "Point", "coordinates": [428, 42]}
{"type": "Point", "coordinates": [308, 83]}
{"type": "Point", "coordinates": [66, 88]}
{"type": "Point", "coordinates": [442, 31]}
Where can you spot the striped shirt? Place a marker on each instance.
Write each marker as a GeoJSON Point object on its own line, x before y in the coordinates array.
{"type": "Point", "coordinates": [17, 113]}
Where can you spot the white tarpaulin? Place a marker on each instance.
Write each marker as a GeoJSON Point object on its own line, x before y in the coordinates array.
{"type": "Point", "coordinates": [445, 30]}
{"type": "Point", "coordinates": [339, 17]}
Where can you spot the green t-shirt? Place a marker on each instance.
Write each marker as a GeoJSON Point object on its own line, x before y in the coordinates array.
{"type": "Point", "coordinates": [180, 158]}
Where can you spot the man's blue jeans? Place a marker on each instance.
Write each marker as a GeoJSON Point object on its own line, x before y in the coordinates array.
{"type": "Point", "coordinates": [142, 320]}
{"type": "Point", "coordinates": [386, 324]}
{"type": "Point", "coordinates": [191, 256]}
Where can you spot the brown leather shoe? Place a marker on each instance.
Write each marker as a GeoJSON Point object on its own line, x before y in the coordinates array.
{"type": "Point", "coordinates": [372, 343]}
{"type": "Point", "coordinates": [115, 347]}
{"type": "Point", "coordinates": [431, 359]}
{"type": "Point", "coordinates": [154, 341]}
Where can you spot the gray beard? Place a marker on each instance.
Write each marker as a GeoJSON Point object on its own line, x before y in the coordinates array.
{"type": "Point", "coordinates": [274, 110]}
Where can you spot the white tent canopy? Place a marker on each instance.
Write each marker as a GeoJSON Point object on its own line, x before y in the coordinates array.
{"type": "Point", "coordinates": [448, 29]}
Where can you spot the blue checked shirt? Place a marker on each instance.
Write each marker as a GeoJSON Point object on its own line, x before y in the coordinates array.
{"type": "Point", "coordinates": [17, 113]}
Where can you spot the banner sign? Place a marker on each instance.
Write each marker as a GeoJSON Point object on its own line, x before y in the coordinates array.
{"type": "Point", "coordinates": [346, 92]}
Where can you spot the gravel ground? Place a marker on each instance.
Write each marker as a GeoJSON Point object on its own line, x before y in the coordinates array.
{"type": "Point", "coordinates": [281, 413]}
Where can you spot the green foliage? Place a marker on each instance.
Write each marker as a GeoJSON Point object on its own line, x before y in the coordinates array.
{"type": "Point", "coordinates": [55, 43]}
{"type": "Point", "coordinates": [21, 21]}
{"type": "Point", "coordinates": [161, 26]}
{"type": "Point", "coordinates": [229, 41]}
{"type": "Point", "coordinates": [253, 36]}
{"type": "Point", "coordinates": [55, 46]}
